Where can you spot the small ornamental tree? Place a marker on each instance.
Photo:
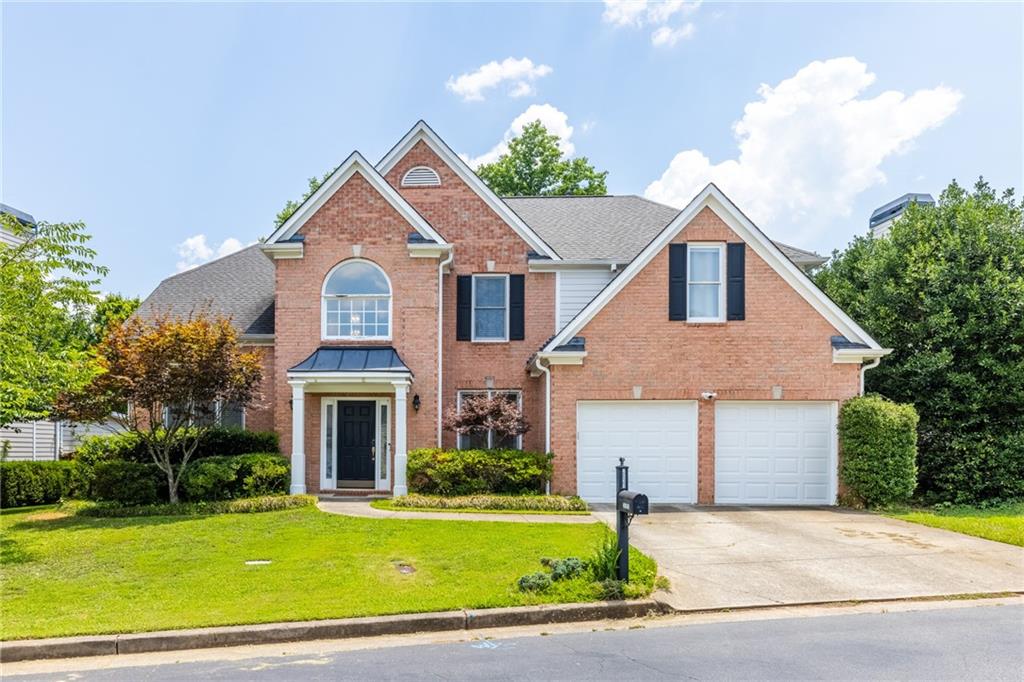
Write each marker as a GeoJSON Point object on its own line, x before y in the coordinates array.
{"type": "Point", "coordinates": [171, 374]}
{"type": "Point", "coordinates": [481, 413]}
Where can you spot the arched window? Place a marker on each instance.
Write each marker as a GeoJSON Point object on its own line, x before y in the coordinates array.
{"type": "Point", "coordinates": [421, 176]}
{"type": "Point", "coordinates": [357, 302]}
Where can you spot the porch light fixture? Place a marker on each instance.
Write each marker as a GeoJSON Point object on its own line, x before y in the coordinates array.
{"type": "Point", "coordinates": [416, 402]}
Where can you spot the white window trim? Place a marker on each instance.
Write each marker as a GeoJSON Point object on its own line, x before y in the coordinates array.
{"type": "Point", "coordinates": [704, 246]}
{"type": "Point", "coordinates": [380, 436]}
{"type": "Point", "coordinates": [489, 392]}
{"type": "Point", "coordinates": [472, 320]}
{"type": "Point", "coordinates": [324, 297]}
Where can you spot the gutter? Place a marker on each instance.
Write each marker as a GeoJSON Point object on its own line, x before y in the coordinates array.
{"type": "Point", "coordinates": [871, 365]}
{"type": "Point", "coordinates": [440, 337]}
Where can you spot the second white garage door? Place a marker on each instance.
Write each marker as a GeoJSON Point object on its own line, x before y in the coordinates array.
{"type": "Point", "coordinates": [658, 439]}
{"type": "Point", "coordinates": [775, 452]}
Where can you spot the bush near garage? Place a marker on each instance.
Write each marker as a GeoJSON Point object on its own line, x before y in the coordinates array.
{"type": "Point", "coordinates": [878, 441]}
{"type": "Point", "coordinates": [24, 484]}
{"type": "Point", "coordinates": [434, 471]}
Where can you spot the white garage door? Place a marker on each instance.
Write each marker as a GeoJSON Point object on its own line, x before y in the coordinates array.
{"type": "Point", "coordinates": [657, 438]}
{"type": "Point", "coordinates": [775, 453]}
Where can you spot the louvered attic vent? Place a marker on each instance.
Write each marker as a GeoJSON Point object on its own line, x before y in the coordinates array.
{"type": "Point", "coordinates": [421, 176]}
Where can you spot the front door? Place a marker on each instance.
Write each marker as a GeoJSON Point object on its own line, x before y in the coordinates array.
{"type": "Point", "coordinates": [356, 443]}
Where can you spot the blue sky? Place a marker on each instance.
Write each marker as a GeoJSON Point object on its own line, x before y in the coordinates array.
{"type": "Point", "coordinates": [170, 129]}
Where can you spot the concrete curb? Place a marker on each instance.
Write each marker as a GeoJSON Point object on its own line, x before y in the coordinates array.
{"type": "Point", "coordinates": [343, 628]}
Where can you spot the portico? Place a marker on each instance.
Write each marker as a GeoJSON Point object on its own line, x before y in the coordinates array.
{"type": "Point", "coordinates": [362, 396]}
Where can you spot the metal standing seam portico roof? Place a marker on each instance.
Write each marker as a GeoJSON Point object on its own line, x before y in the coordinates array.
{"type": "Point", "coordinates": [353, 359]}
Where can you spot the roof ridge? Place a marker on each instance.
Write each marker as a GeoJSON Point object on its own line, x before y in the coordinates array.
{"type": "Point", "coordinates": [211, 262]}
{"type": "Point", "coordinates": [564, 196]}
{"type": "Point", "coordinates": [656, 203]}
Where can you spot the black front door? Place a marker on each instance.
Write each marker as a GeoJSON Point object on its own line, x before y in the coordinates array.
{"type": "Point", "coordinates": [356, 443]}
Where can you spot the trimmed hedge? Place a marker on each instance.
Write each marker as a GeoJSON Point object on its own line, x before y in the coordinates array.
{"type": "Point", "coordinates": [23, 484]}
{"type": "Point", "coordinates": [248, 505]}
{"type": "Point", "coordinates": [878, 441]}
{"type": "Point", "coordinates": [218, 442]}
{"type": "Point", "coordinates": [434, 471]}
{"type": "Point", "coordinates": [127, 483]}
{"type": "Point", "coordinates": [540, 503]}
{"type": "Point", "coordinates": [226, 478]}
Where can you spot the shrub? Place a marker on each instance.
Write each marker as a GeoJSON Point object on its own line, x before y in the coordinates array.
{"type": "Point", "coordinates": [878, 440]}
{"type": "Point", "coordinates": [218, 442]}
{"type": "Point", "coordinates": [27, 483]}
{"type": "Point", "coordinates": [470, 472]}
{"type": "Point", "coordinates": [566, 569]}
{"type": "Point", "coordinates": [127, 483]}
{"type": "Point", "coordinates": [225, 478]}
{"type": "Point", "coordinates": [604, 564]}
{"type": "Point", "coordinates": [549, 503]}
{"type": "Point", "coordinates": [247, 505]}
{"type": "Point", "coordinates": [534, 582]}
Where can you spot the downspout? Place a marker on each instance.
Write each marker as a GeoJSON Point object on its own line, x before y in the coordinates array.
{"type": "Point", "coordinates": [440, 337]}
{"type": "Point", "coordinates": [547, 411]}
{"type": "Point", "coordinates": [864, 368]}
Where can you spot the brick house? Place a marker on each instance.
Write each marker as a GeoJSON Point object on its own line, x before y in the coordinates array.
{"type": "Point", "coordinates": [685, 341]}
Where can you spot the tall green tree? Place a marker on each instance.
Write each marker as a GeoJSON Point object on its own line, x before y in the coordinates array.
{"type": "Point", "coordinates": [291, 206]}
{"type": "Point", "coordinates": [91, 323]}
{"type": "Point", "coordinates": [46, 274]}
{"type": "Point", "coordinates": [945, 290]}
{"type": "Point", "coordinates": [534, 165]}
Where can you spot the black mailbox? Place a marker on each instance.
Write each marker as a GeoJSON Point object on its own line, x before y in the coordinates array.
{"type": "Point", "coordinates": [633, 503]}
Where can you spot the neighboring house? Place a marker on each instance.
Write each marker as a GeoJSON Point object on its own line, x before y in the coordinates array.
{"type": "Point", "coordinates": [685, 341]}
{"type": "Point", "coordinates": [884, 216]}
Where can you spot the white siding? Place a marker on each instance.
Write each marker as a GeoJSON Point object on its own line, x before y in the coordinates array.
{"type": "Point", "coordinates": [31, 440]}
{"type": "Point", "coordinates": [576, 288]}
{"type": "Point", "coordinates": [9, 238]}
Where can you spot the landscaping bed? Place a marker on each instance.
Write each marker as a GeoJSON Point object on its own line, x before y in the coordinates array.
{"type": "Point", "coordinates": [71, 574]}
{"type": "Point", "coordinates": [1002, 522]}
{"type": "Point", "coordinates": [493, 504]}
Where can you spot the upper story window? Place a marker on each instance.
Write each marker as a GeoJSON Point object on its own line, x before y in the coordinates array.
{"type": "Point", "coordinates": [421, 176]}
{"type": "Point", "coordinates": [705, 291]}
{"type": "Point", "coordinates": [357, 302]}
{"type": "Point", "coordinates": [490, 307]}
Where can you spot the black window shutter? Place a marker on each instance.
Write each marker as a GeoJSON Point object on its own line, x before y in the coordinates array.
{"type": "Point", "coordinates": [677, 281]}
{"type": "Point", "coordinates": [516, 307]}
{"type": "Point", "coordinates": [464, 307]}
{"type": "Point", "coordinates": [735, 292]}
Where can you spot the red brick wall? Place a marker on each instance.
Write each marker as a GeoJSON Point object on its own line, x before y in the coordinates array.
{"type": "Point", "coordinates": [356, 214]}
{"type": "Point", "coordinates": [259, 415]}
{"type": "Point", "coordinates": [480, 235]}
{"type": "Point", "coordinates": [782, 342]}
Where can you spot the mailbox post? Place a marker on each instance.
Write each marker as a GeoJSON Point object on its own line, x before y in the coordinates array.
{"type": "Point", "coordinates": [627, 505]}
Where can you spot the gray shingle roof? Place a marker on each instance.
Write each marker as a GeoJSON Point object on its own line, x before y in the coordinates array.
{"type": "Point", "coordinates": [240, 286]}
{"type": "Point", "coordinates": [609, 227]}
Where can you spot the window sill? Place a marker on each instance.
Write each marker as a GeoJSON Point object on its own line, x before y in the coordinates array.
{"type": "Point", "coordinates": [706, 323]}
{"type": "Point", "coordinates": [490, 340]}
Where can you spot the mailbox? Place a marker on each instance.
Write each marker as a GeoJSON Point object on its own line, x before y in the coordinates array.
{"type": "Point", "coordinates": [633, 503]}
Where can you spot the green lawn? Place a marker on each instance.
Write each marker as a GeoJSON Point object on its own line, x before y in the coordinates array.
{"type": "Point", "coordinates": [68, 575]}
{"type": "Point", "coordinates": [1004, 523]}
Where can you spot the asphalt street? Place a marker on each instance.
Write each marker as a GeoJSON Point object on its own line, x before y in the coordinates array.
{"type": "Point", "coordinates": [978, 643]}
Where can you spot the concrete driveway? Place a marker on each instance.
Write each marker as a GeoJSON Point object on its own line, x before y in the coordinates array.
{"type": "Point", "coordinates": [746, 556]}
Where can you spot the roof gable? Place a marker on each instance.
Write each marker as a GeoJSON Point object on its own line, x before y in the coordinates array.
{"type": "Point", "coordinates": [713, 198]}
{"type": "Point", "coordinates": [421, 132]}
{"type": "Point", "coordinates": [355, 163]}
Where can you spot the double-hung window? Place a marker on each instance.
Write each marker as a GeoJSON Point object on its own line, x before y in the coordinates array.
{"type": "Point", "coordinates": [705, 291]}
{"type": "Point", "coordinates": [490, 439]}
{"type": "Point", "coordinates": [490, 307]}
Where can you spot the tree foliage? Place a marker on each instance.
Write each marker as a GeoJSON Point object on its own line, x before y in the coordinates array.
{"type": "Point", "coordinates": [482, 413]}
{"type": "Point", "coordinates": [291, 206]}
{"type": "Point", "coordinates": [945, 290]}
{"type": "Point", "coordinates": [89, 324]}
{"type": "Point", "coordinates": [879, 444]}
{"type": "Point", "coordinates": [44, 276]}
{"type": "Point", "coordinates": [535, 166]}
{"type": "Point", "coordinates": [186, 366]}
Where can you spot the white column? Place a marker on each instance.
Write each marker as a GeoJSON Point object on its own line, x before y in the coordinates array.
{"type": "Point", "coordinates": [298, 437]}
{"type": "Point", "coordinates": [401, 457]}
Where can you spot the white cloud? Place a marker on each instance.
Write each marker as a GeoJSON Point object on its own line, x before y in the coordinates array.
{"type": "Point", "coordinates": [519, 73]}
{"type": "Point", "coordinates": [640, 13]}
{"type": "Point", "coordinates": [195, 251]}
{"type": "Point", "coordinates": [667, 37]}
{"type": "Point", "coordinates": [557, 123]}
{"type": "Point", "coordinates": [809, 146]}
